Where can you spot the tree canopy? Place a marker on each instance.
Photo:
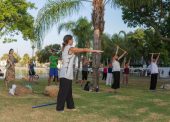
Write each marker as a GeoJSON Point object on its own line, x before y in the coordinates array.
{"type": "Point", "coordinates": [44, 54]}
{"type": "Point", "coordinates": [15, 19]}
{"type": "Point", "coordinates": [155, 15]}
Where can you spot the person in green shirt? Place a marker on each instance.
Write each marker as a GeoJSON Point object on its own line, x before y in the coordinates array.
{"type": "Point", "coordinates": [53, 72]}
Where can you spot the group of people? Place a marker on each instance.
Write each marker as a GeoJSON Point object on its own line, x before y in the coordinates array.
{"type": "Point", "coordinates": [108, 73]}
{"type": "Point", "coordinates": [66, 71]}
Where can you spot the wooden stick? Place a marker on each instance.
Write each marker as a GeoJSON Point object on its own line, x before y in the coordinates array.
{"type": "Point", "coordinates": [120, 48]}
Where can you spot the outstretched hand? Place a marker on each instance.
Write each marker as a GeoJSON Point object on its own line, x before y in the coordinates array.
{"type": "Point", "coordinates": [97, 51]}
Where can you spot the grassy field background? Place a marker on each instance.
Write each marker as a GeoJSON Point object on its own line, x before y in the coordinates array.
{"type": "Point", "coordinates": [133, 103]}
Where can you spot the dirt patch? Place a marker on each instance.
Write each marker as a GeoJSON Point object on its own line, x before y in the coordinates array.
{"type": "Point", "coordinates": [108, 90]}
{"type": "Point", "coordinates": [155, 117]}
{"type": "Point", "coordinates": [160, 102]}
{"type": "Point", "coordinates": [115, 120]}
{"type": "Point", "coordinates": [142, 110]}
{"type": "Point", "coordinates": [76, 96]}
{"type": "Point", "coordinates": [122, 98]}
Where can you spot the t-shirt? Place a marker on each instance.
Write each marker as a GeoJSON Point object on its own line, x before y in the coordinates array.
{"type": "Point", "coordinates": [67, 67]}
{"type": "Point", "coordinates": [154, 68]}
{"type": "Point", "coordinates": [53, 61]}
{"type": "Point", "coordinates": [126, 70]}
{"type": "Point", "coordinates": [105, 70]}
{"type": "Point", "coordinates": [85, 67]}
{"type": "Point", "coordinates": [109, 70]}
{"type": "Point", "coordinates": [116, 66]}
{"type": "Point", "coordinates": [31, 67]}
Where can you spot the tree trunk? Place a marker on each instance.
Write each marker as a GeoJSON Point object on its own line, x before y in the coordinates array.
{"type": "Point", "coordinates": [79, 60]}
{"type": "Point", "coordinates": [98, 24]}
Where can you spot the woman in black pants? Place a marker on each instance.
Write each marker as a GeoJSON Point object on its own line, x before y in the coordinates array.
{"type": "Point", "coordinates": [154, 71]}
{"type": "Point", "coordinates": [116, 70]}
{"type": "Point", "coordinates": [66, 73]}
{"type": "Point", "coordinates": [84, 70]}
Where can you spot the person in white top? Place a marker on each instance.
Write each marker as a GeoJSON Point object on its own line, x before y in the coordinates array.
{"type": "Point", "coordinates": [154, 71]}
{"type": "Point", "coordinates": [116, 70]}
{"type": "Point", "coordinates": [66, 73]}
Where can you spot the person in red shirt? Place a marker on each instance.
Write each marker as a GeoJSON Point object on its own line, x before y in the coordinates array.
{"type": "Point", "coordinates": [126, 73]}
{"type": "Point", "coordinates": [104, 73]}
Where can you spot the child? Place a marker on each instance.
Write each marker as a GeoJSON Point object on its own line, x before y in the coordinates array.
{"type": "Point", "coordinates": [31, 70]}
{"type": "Point", "coordinates": [109, 76]}
{"type": "Point", "coordinates": [126, 73]}
{"type": "Point", "coordinates": [84, 70]}
{"type": "Point", "coordinates": [104, 73]}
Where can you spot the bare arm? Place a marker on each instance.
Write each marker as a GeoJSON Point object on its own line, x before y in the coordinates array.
{"type": "Point", "coordinates": [157, 57]}
{"type": "Point", "coordinates": [122, 55]}
{"type": "Point", "coordinates": [9, 61]}
{"type": "Point", "coordinates": [83, 50]}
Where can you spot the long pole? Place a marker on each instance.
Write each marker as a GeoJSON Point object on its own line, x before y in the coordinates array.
{"type": "Point", "coordinates": [42, 105]}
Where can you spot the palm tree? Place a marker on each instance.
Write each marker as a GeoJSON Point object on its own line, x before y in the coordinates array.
{"type": "Point", "coordinates": [55, 10]}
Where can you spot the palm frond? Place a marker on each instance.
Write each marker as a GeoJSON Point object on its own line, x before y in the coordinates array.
{"type": "Point", "coordinates": [54, 11]}
{"type": "Point", "coordinates": [66, 26]}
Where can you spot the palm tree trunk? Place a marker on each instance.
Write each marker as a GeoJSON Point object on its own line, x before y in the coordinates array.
{"type": "Point", "coordinates": [79, 60]}
{"type": "Point", "coordinates": [98, 24]}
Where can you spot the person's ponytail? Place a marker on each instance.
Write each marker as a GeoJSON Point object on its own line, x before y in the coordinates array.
{"type": "Point", "coordinates": [66, 40]}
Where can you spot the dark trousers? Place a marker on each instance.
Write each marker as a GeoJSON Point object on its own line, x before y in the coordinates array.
{"type": "Point", "coordinates": [84, 75]}
{"type": "Point", "coordinates": [153, 81]}
{"type": "Point", "coordinates": [104, 76]}
{"type": "Point", "coordinates": [65, 95]}
{"type": "Point", "coordinates": [116, 82]}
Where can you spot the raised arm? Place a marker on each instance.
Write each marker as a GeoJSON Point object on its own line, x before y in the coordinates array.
{"type": "Point", "coordinates": [151, 57]}
{"type": "Point", "coordinates": [157, 57]}
{"type": "Point", "coordinates": [122, 55]}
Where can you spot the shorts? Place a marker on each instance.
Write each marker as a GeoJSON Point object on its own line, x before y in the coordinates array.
{"type": "Point", "coordinates": [31, 72]}
{"type": "Point", "coordinates": [53, 72]}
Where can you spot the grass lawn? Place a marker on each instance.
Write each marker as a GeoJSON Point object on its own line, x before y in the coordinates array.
{"type": "Point", "coordinates": [134, 103]}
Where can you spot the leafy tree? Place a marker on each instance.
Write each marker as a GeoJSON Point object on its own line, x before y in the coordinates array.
{"type": "Point", "coordinates": [44, 54]}
{"type": "Point", "coordinates": [25, 59]}
{"type": "Point", "coordinates": [155, 15]}
{"type": "Point", "coordinates": [4, 57]}
{"type": "Point", "coordinates": [16, 19]}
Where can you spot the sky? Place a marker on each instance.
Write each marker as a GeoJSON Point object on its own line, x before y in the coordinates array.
{"type": "Point", "coordinates": [113, 24]}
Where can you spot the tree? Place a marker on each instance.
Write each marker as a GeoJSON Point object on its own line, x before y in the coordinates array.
{"type": "Point", "coordinates": [15, 19]}
{"type": "Point", "coordinates": [155, 15]}
{"type": "Point", "coordinates": [25, 59]}
{"type": "Point", "coordinates": [44, 54]}
{"type": "Point", "coordinates": [4, 57]}
{"type": "Point", "coordinates": [54, 11]}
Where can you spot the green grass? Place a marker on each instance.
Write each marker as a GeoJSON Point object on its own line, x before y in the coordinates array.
{"type": "Point", "coordinates": [134, 103]}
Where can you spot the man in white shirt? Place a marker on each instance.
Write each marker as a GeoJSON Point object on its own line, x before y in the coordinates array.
{"type": "Point", "coordinates": [154, 71]}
